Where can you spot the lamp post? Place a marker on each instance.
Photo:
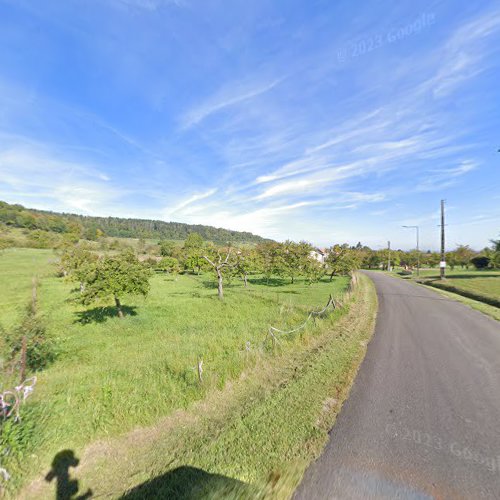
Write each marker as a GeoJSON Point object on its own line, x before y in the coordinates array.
{"type": "Point", "coordinates": [418, 249]}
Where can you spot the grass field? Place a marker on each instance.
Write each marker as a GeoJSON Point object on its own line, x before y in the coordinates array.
{"type": "Point", "coordinates": [116, 375]}
{"type": "Point", "coordinates": [478, 289]}
{"type": "Point", "coordinates": [479, 285]}
{"type": "Point", "coordinates": [251, 440]}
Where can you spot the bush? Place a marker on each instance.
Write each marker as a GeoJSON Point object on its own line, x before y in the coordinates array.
{"type": "Point", "coordinates": [41, 348]}
{"type": "Point", "coordinates": [480, 262]}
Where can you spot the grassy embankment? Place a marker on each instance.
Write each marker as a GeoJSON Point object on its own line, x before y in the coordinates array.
{"type": "Point", "coordinates": [255, 412]}
{"type": "Point", "coordinates": [478, 289]}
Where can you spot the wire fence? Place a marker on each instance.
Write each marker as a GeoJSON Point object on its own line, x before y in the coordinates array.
{"type": "Point", "coordinates": [273, 333]}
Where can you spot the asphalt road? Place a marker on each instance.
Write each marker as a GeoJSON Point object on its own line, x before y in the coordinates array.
{"type": "Point", "coordinates": [423, 417]}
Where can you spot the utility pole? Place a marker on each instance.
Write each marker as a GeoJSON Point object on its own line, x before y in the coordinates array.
{"type": "Point", "coordinates": [389, 256]}
{"type": "Point", "coordinates": [442, 264]}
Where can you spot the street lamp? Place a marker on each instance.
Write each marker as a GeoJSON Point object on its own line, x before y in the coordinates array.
{"type": "Point", "coordinates": [418, 250]}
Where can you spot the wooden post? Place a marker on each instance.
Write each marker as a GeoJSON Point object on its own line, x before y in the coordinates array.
{"type": "Point", "coordinates": [34, 285]}
{"type": "Point", "coordinates": [200, 370]}
{"type": "Point", "coordinates": [24, 347]}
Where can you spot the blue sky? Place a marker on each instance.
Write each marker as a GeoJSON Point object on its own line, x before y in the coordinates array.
{"type": "Point", "coordinates": [313, 119]}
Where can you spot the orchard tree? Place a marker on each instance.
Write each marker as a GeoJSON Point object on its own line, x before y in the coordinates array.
{"type": "Point", "coordinates": [246, 261]}
{"type": "Point", "coordinates": [115, 276]}
{"type": "Point", "coordinates": [371, 258]}
{"type": "Point", "coordinates": [313, 270]}
{"type": "Point", "coordinates": [342, 260]}
{"type": "Point", "coordinates": [295, 257]}
{"type": "Point", "coordinates": [193, 252]}
{"type": "Point", "coordinates": [169, 265]}
{"type": "Point", "coordinates": [219, 264]}
{"type": "Point", "coordinates": [272, 258]}
{"type": "Point", "coordinates": [77, 262]}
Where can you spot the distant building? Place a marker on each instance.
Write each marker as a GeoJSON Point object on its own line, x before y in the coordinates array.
{"type": "Point", "coordinates": [320, 254]}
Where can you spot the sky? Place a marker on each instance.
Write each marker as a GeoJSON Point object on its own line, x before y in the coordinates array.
{"type": "Point", "coordinates": [319, 120]}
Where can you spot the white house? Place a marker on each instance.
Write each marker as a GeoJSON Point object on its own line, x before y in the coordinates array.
{"type": "Point", "coordinates": [319, 254]}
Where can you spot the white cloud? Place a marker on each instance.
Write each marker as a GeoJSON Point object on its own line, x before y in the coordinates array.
{"type": "Point", "coordinates": [438, 179]}
{"type": "Point", "coordinates": [193, 199]}
{"type": "Point", "coordinates": [230, 95]}
{"type": "Point", "coordinates": [30, 172]}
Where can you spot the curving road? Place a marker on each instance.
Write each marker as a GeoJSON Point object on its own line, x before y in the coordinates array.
{"type": "Point", "coordinates": [423, 417]}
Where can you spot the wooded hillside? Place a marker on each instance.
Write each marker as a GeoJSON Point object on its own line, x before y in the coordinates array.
{"type": "Point", "coordinates": [91, 227]}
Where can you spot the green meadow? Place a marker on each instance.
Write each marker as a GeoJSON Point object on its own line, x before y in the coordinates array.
{"type": "Point", "coordinates": [113, 375]}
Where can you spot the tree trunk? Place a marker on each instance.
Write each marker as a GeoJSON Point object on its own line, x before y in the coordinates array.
{"type": "Point", "coordinates": [118, 307]}
{"type": "Point", "coordinates": [220, 289]}
{"type": "Point", "coordinates": [82, 286]}
{"type": "Point", "coordinates": [292, 280]}
{"type": "Point", "coordinates": [245, 280]}
{"type": "Point", "coordinates": [331, 276]}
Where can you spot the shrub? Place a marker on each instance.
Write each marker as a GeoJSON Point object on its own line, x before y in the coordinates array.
{"type": "Point", "coordinates": [480, 262]}
{"type": "Point", "coordinates": [41, 348]}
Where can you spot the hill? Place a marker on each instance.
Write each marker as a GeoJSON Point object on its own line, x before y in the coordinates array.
{"type": "Point", "coordinates": [91, 227]}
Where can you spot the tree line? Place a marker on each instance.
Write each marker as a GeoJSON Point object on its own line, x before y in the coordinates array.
{"type": "Point", "coordinates": [92, 228]}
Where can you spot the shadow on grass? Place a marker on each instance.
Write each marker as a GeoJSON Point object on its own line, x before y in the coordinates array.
{"type": "Point", "coordinates": [102, 314]}
{"type": "Point", "coordinates": [66, 488]}
{"type": "Point", "coordinates": [190, 483]}
{"type": "Point", "coordinates": [212, 284]}
{"type": "Point", "coordinates": [269, 282]}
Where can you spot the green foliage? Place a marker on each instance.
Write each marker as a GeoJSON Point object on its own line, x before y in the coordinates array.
{"type": "Point", "coordinates": [42, 239]}
{"type": "Point", "coordinates": [115, 276]}
{"type": "Point", "coordinates": [41, 347]}
{"type": "Point", "coordinates": [296, 257]}
{"type": "Point", "coordinates": [78, 262]}
{"type": "Point", "coordinates": [169, 265]}
{"type": "Point", "coordinates": [169, 249]}
{"type": "Point", "coordinates": [272, 259]}
{"type": "Point", "coordinates": [93, 228]}
{"type": "Point", "coordinates": [193, 250]}
{"type": "Point", "coordinates": [313, 270]}
{"type": "Point", "coordinates": [246, 261]}
{"type": "Point", "coordinates": [342, 260]}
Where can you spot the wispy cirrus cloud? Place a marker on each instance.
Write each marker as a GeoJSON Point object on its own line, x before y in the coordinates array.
{"type": "Point", "coordinates": [437, 179]}
{"type": "Point", "coordinates": [230, 95]}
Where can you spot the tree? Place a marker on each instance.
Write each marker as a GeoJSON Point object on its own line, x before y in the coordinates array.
{"type": "Point", "coordinates": [246, 261]}
{"type": "Point", "coordinates": [78, 262]}
{"type": "Point", "coordinates": [193, 252]}
{"type": "Point", "coordinates": [341, 260]}
{"type": "Point", "coordinates": [169, 265]}
{"type": "Point", "coordinates": [313, 270]}
{"type": "Point", "coordinates": [463, 255]}
{"type": "Point", "coordinates": [167, 248]}
{"type": "Point", "coordinates": [495, 258]}
{"type": "Point", "coordinates": [272, 259]}
{"type": "Point", "coordinates": [371, 258]}
{"type": "Point", "coordinates": [214, 257]}
{"type": "Point", "coordinates": [451, 260]}
{"type": "Point", "coordinates": [295, 257]}
{"type": "Point", "coordinates": [115, 276]}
